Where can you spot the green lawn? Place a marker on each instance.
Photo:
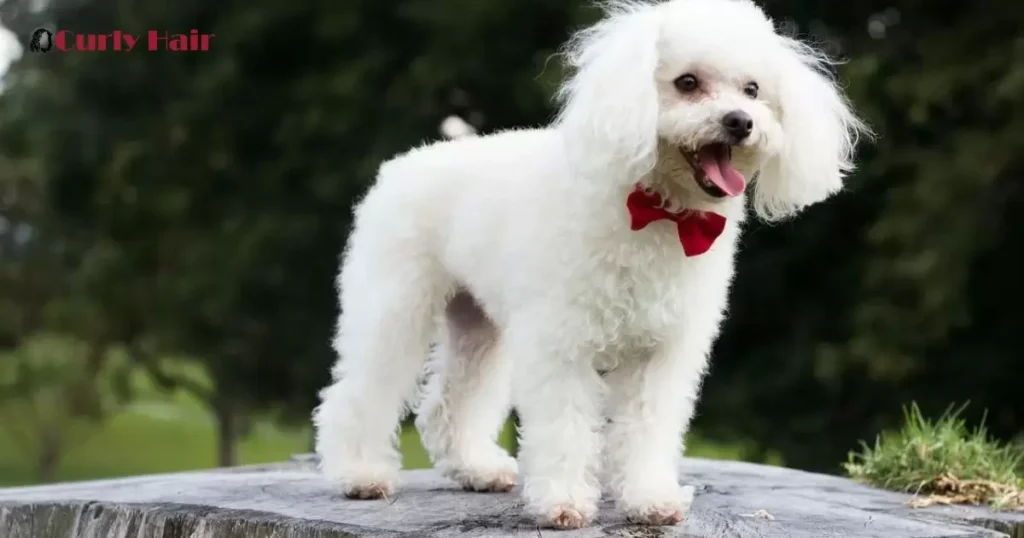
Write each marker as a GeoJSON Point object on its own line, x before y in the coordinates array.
{"type": "Point", "coordinates": [175, 434]}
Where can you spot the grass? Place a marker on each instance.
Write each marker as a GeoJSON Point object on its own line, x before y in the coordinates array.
{"type": "Point", "coordinates": [167, 433]}
{"type": "Point", "coordinates": [153, 437]}
{"type": "Point", "coordinates": [942, 462]}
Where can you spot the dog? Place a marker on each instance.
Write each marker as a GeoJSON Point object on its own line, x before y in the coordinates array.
{"type": "Point", "coordinates": [580, 271]}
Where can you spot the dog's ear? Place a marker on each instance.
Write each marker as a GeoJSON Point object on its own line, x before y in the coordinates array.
{"type": "Point", "coordinates": [820, 132]}
{"type": "Point", "coordinates": [610, 103]}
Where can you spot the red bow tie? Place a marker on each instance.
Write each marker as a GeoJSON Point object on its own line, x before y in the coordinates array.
{"type": "Point", "coordinates": [697, 229]}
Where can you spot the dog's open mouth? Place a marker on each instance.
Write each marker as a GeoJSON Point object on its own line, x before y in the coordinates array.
{"type": "Point", "coordinates": [713, 170]}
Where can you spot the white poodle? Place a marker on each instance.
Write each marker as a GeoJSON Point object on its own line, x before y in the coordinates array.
{"type": "Point", "coordinates": [580, 271]}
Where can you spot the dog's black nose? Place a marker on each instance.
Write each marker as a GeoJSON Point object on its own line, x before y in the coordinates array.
{"type": "Point", "coordinates": [738, 124]}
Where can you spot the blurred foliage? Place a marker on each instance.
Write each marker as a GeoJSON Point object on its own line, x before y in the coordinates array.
{"type": "Point", "coordinates": [195, 204]}
{"type": "Point", "coordinates": [52, 398]}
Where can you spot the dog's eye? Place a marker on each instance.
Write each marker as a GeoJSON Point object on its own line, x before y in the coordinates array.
{"type": "Point", "coordinates": [686, 83]}
{"type": "Point", "coordinates": [751, 90]}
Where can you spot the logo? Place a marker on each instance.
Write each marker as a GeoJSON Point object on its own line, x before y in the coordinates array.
{"type": "Point", "coordinates": [44, 40]}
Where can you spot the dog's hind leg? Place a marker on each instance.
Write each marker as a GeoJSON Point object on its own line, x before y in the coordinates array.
{"type": "Point", "coordinates": [391, 293]}
{"type": "Point", "coordinates": [466, 400]}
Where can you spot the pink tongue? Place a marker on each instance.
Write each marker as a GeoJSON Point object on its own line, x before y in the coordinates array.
{"type": "Point", "coordinates": [716, 164]}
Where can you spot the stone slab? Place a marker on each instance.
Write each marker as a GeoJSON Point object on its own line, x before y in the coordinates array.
{"type": "Point", "coordinates": [291, 501]}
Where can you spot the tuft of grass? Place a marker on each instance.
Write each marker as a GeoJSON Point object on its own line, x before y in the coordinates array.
{"type": "Point", "coordinates": [942, 462]}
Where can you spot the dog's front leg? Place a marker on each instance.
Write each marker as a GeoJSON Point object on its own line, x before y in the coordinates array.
{"type": "Point", "coordinates": [651, 402]}
{"type": "Point", "coordinates": [558, 397]}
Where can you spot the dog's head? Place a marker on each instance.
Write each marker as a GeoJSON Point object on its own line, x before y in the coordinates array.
{"type": "Point", "coordinates": [710, 88]}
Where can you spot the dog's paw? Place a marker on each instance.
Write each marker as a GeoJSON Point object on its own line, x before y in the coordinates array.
{"type": "Point", "coordinates": [495, 481]}
{"type": "Point", "coordinates": [559, 504]}
{"type": "Point", "coordinates": [497, 473]}
{"type": "Point", "coordinates": [364, 479]}
{"type": "Point", "coordinates": [369, 491]}
{"type": "Point", "coordinates": [566, 517]}
{"type": "Point", "coordinates": [669, 509]}
{"type": "Point", "coordinates": [661, 514]}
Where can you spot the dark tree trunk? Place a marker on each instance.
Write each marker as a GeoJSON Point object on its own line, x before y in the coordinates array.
{"type": "Point", "coordinates": [48, 458]}
{"type": "Point", "coordinates": [227, 419]}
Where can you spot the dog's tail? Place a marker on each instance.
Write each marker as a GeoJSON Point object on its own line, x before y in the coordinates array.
{"type": "Point", "coordinates": [454, 127]}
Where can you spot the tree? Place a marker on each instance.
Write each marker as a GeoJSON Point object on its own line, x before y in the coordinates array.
{"type": "Point", "coordinates": [58, 380]}
{"type": "Point", "coordinates": [51, 398]}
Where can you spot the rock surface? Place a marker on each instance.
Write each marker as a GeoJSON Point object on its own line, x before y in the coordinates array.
{"type": "Point", "coordinates": [291, 501]}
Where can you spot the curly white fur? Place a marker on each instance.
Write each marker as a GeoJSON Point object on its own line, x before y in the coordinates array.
{"type": "Point", "coordinates": [514, 253]}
